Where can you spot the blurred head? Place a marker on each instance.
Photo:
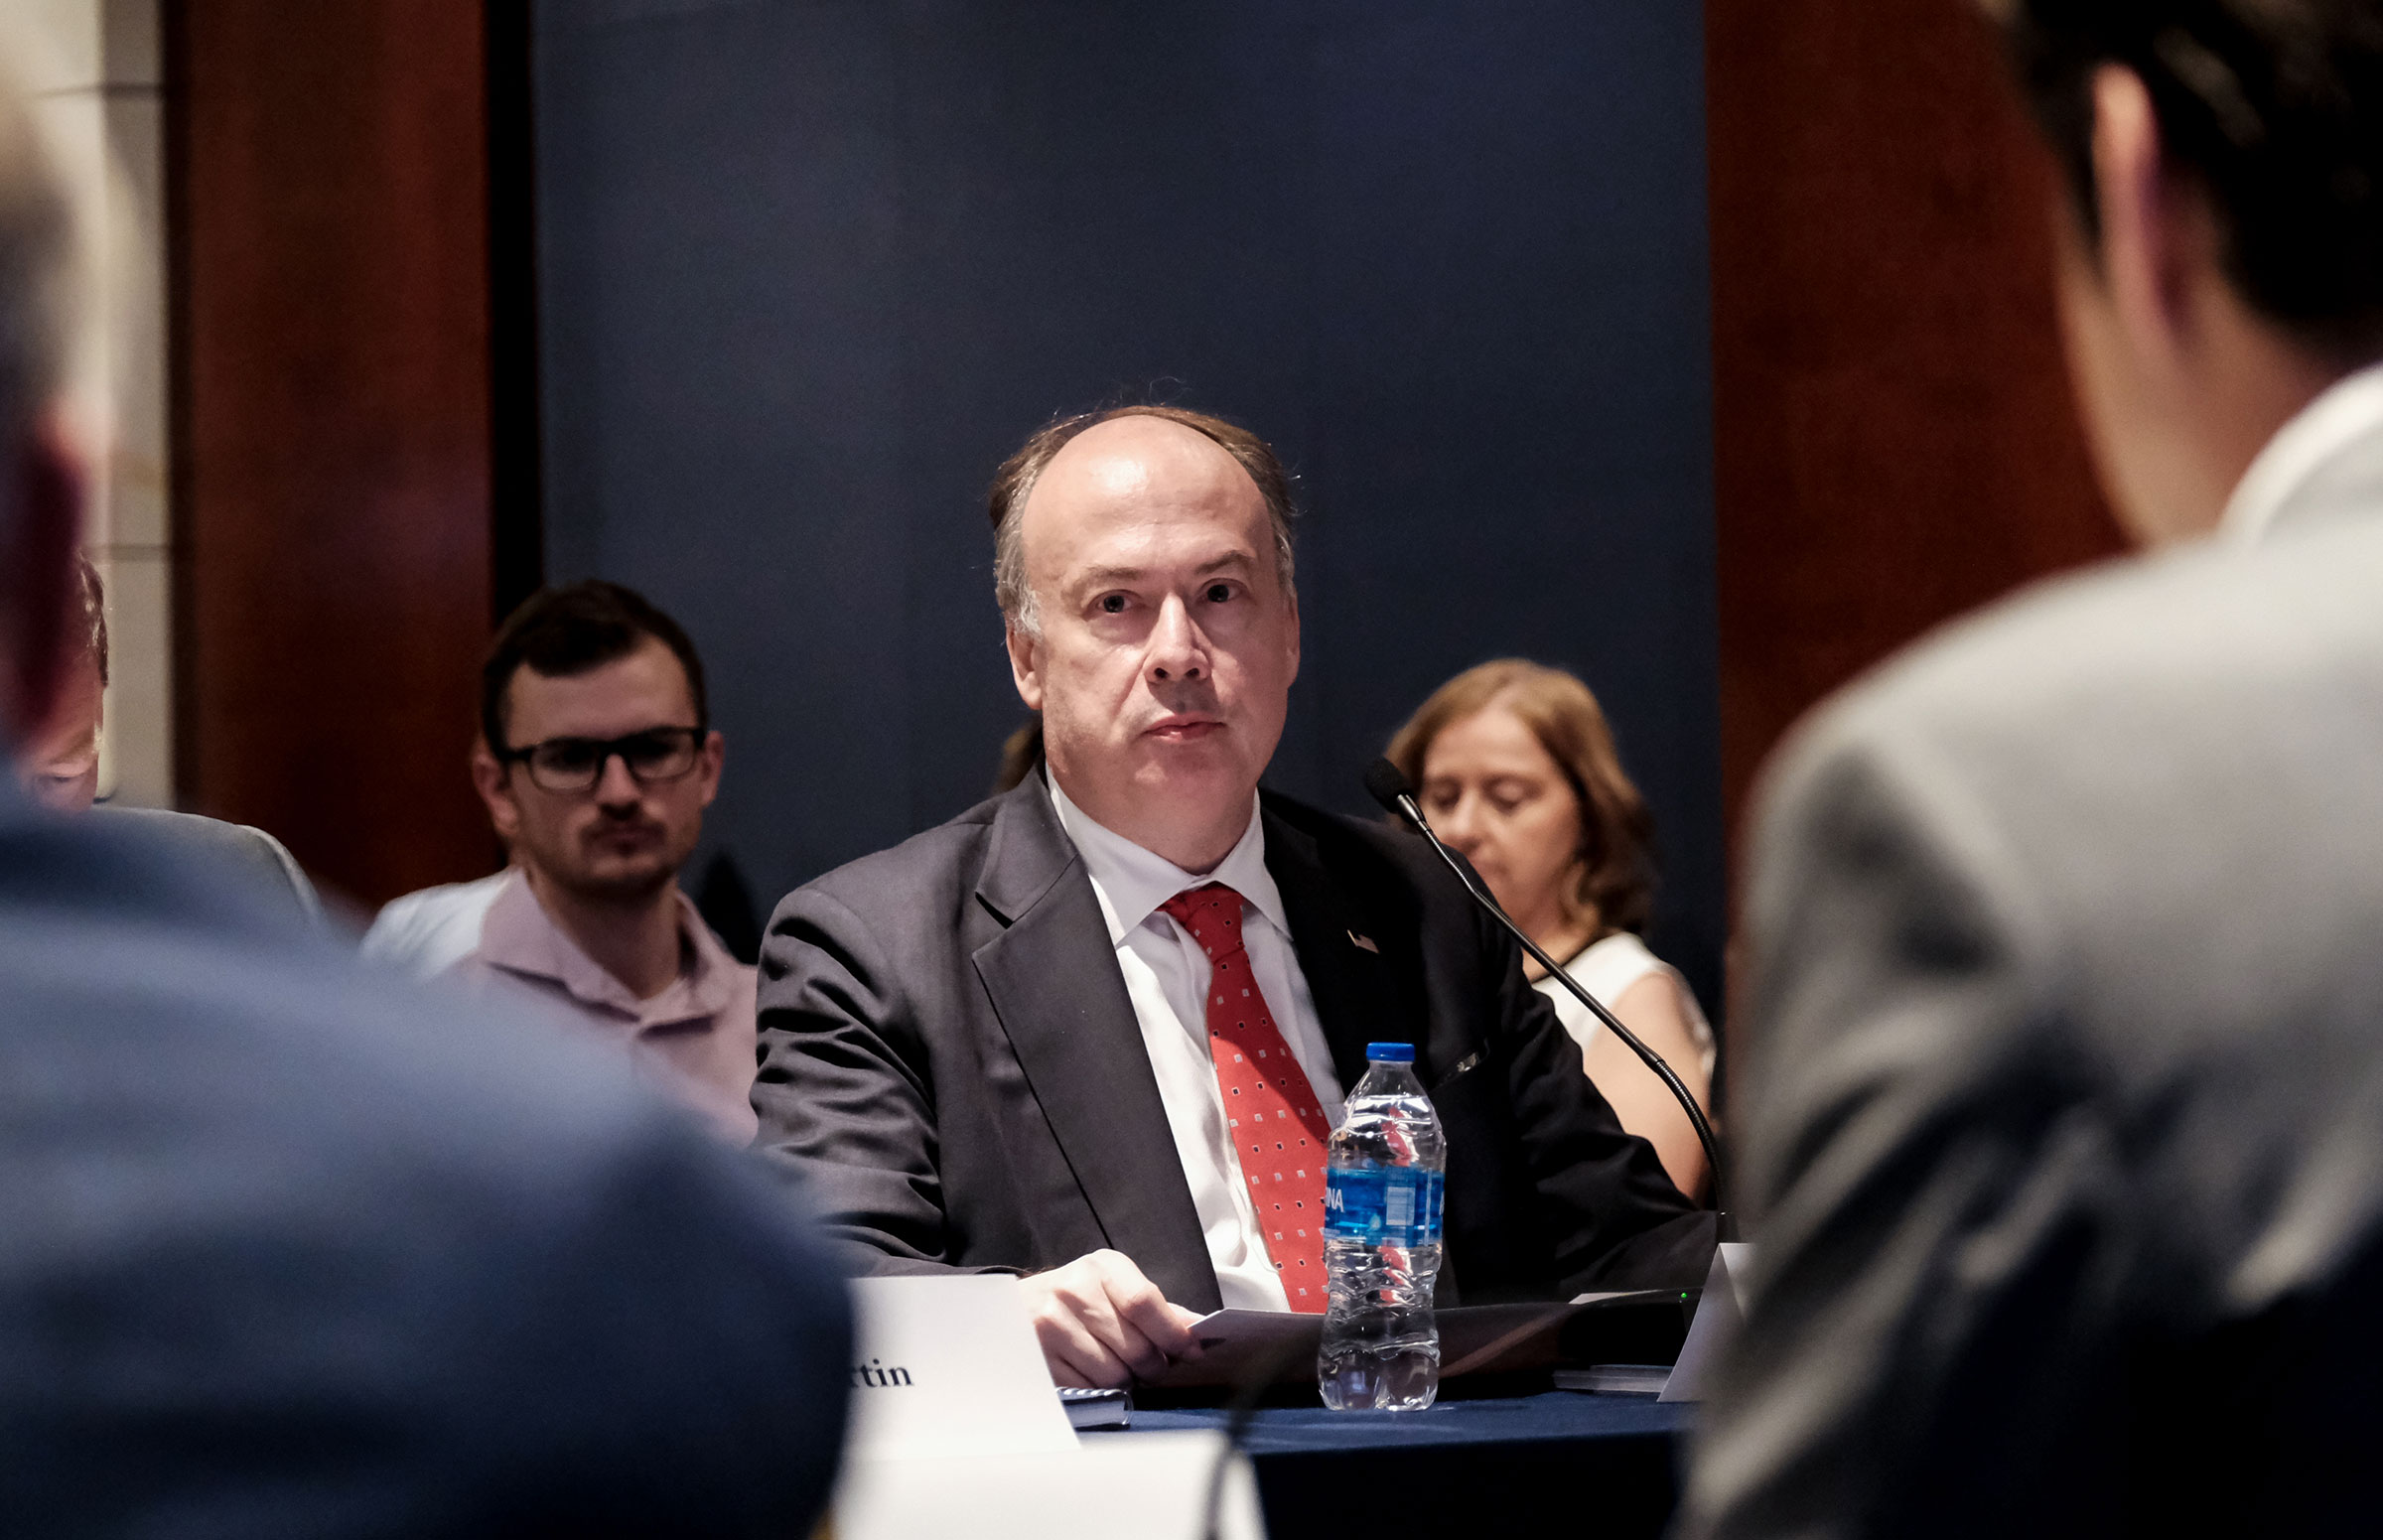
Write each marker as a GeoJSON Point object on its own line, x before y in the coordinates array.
{"type": "Point", "coordinates": [595, 757]}
{"type": "Point", "coordinates": [2222, 254]}
{"type": "Point", "coordinates": [43, 482]}
{"type": "Point", "coordinates": [1515, 767]}
{"type": "Point", "coordinates": [1142, 565]}
{"type": "Point", "coordinates": [59, 763]}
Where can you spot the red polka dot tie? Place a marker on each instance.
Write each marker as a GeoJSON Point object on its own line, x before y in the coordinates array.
{"type": "Point", "coordinates": [1270, 1110]}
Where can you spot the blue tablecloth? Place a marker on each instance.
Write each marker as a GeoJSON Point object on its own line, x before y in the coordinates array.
{"type": "Point", "coordinates": [1604, 1463]}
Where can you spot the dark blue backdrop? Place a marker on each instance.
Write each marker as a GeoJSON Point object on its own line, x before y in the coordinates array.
{"type": "Point", "coordinates": [808, 271]}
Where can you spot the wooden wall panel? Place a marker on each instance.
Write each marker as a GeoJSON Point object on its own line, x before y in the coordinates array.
{"type": "Point", "coordinates": [331, 251]}
{"type": "Point", "coordinates": [1895, 439]}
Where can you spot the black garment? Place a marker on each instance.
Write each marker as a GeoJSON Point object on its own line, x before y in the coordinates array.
{"type": "Point", "coordinates": [290, 1250]}
{"type": "Point", "coordinates": [952, 1068]}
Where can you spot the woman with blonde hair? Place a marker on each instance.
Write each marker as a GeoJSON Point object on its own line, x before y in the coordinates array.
{"type": "Point", "coordinates": [1515, 767]}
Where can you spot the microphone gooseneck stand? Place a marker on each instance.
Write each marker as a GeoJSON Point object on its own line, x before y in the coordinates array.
{"type": "Point", "coordinates": [1390, 789]}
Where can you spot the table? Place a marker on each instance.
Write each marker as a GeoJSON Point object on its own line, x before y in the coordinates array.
{"type": "Point", "coordinates": [1602, 1465]}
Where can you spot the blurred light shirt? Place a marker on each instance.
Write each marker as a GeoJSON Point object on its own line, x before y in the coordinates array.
{"type": "Point", "coordinates": [694, 1042]}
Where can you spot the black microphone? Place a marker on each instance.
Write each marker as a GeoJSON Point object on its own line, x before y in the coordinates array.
{"type": "Point", "coordinates": [1389, 787]}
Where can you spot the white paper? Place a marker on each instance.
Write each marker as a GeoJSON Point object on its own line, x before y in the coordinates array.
{"type": "Point", "coordinates": [1121, 1486]}
{"type": "Point", "coordinates": [950, 1366]}
{"type": "Point", "coordinates": [1719, 1315]}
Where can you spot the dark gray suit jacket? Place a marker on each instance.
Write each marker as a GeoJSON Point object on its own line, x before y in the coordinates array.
{"type": "Point", "coordinates": [290, 1250]}
{"type": "Point", "coordinates": [2064, 1112]}
{"type": "Point", "coordinates": [951, 1068]}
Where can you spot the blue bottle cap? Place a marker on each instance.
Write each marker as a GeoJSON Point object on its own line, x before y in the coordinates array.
{"type": "Point", "coordinates": [1391, 1052]}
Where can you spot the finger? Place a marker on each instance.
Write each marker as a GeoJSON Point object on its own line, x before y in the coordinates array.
{"type": "Point", "coordinates": [1189, 1320]}
{"type": "Point", "coordinates": [1076, 1355]}
{"type": "Point", "coordinates": [1142, 1307]}
{"type": "Point", "coordinates": [1122, 1337]}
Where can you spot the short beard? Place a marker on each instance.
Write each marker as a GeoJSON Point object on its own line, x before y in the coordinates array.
{"type": "Point", "coordinates": [627, 890]}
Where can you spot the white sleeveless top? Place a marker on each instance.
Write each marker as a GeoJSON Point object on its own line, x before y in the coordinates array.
{"type": "Point", "coordinates": [1608, 968]}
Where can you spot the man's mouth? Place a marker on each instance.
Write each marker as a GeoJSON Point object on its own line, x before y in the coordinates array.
{"type": "Point", "coordinates": [624, 835]}
{"type": "Point", "coordinates": [1182, 729]}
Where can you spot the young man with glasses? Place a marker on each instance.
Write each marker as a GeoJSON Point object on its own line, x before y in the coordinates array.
{"type": "Point", "coordinates": [597, 760]}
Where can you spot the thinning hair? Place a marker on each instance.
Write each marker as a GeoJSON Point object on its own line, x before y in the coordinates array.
{"type": "Point", "coordinates": [1015, 482]}
{"type": "Point", "coordinates": [1613, 887]}
{"type": "Point", "coordinates": [38, 269]}
{"type": "Point", "coordinates": [2271, 108]}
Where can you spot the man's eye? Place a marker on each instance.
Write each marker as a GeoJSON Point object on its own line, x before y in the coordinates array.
{"type": "Point", "coordinates": [1112, 604]}
{"type": "Point", "coordinates": [569, 754]}
{"type": "Point", "coordinates": [1219, 593]}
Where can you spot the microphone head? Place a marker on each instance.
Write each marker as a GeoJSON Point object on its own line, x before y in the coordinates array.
{"type": "Point", "coordinates": [1386, 785]}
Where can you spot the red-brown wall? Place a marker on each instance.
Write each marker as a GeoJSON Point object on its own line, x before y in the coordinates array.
{"type": "Point", "coordinates": [1895, 436]}
{"type": "Point", "coordinates": [328, 166]}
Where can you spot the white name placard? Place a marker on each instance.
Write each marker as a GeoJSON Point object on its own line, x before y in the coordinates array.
{"type": "Point", "coordinates": [950, 1366]}
{"type": "Point", "coordinates": [1119, 1486]}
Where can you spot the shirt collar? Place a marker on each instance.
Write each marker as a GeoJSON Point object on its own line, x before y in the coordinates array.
{"type": "Point", "coordinates": [1131, 882]}
{"type": "Point", "coordinates": [519, 937]}
{"type": "Point", "coordinates": [2348, 411]}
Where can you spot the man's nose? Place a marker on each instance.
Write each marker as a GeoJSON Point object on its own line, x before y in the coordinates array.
{"type": "Point", "coordinates": [614, 786]}
{"type": "Point", "coordinates": [1176, 650]}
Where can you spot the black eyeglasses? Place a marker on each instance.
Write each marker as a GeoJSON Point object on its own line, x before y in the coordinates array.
{"type": "Point", "coordinates": [571, 765]}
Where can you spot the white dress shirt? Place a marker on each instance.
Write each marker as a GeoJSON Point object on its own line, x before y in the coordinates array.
{"type": "Point", "coordinates": [2343, 415]}
{"type": "Point", "coordinates": [1166, 978]}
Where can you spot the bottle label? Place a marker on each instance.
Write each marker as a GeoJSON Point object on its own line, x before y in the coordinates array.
{"type": "Point", "coordinates": [1382, 1206]}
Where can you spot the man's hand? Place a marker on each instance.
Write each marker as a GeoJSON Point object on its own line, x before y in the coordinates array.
{"type": "Point", "coordinates": [1101, 1323]}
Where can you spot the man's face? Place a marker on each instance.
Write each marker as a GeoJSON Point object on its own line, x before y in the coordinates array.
{"type": "Point", "coordinates": [61, 765]}
{"type": "Point", "coordinates": [1167, 641]}
{"type": "Point", "coordinates": [622, 839]}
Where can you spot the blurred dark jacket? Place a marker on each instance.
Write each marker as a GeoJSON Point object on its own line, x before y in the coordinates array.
{"type": "Point", "coordinates": [290, 1250]}
{"type": "Point", "coordinates": [2065, 1113]}
{"type": "Point", "coordinates": [265, 862]}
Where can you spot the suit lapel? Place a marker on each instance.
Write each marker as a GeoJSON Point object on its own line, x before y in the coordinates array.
{"type": "Point", "coordinates": [1052, 978]}
{"type": "Point", "coordinates": [1355, 990]}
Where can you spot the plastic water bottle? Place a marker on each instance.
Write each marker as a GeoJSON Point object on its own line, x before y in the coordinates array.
{"type": "Point", "coordinates": [1381, 1242]}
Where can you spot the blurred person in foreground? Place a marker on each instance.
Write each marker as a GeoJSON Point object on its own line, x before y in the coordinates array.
{"type": "Point", "coordinates": [1515, 766]}
{"type": "Point", "coordinates": [2064, 1110]}
{"type": "Point", "coordinates": [1098, 1029]}
{"type": "Point", "coordinates": [597, 759]}
{"type": "Point", "coordinates": [61, 765]}
{"type": "Point", "coordinates": [292, 1252]}
{"type": "Point", "coordinates": [60, 762]}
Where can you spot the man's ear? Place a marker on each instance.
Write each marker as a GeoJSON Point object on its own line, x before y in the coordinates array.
{"type": "Point", "coordinates": [1026, 669]}
{"type": "Point", "coordinates": [712, 755]}
{"type": "Point", "coordinates": [495, 785]}
{"type": "Point", "coordinates": [47, 487]}
{"type": "Point", "coordinates": [2156, 236]}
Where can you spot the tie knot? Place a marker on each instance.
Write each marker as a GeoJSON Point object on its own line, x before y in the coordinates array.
{"type": "Point", "coordinates": [1213, 914]}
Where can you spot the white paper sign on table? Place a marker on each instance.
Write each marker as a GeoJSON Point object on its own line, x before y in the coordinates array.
{"type": "Point", "coordinates": [1719, 1315]}
{"type": "Point", "coordinates": [950, 1366]}
{"type": "Point", "coordinates": [1121, 1486]}
{"type": "Point", "coordinates": [957, 1429]}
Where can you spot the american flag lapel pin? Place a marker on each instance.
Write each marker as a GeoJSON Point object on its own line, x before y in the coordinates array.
{"type": "Point", "coordinates": [1365, 943]}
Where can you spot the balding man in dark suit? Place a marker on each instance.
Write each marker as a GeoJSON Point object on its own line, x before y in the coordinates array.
{"type": "Point", "coordinates": [1099, 1028]}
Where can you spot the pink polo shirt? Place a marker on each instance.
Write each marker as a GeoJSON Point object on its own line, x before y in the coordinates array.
{"type": "Point", "coordinates": [694, 1041]}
